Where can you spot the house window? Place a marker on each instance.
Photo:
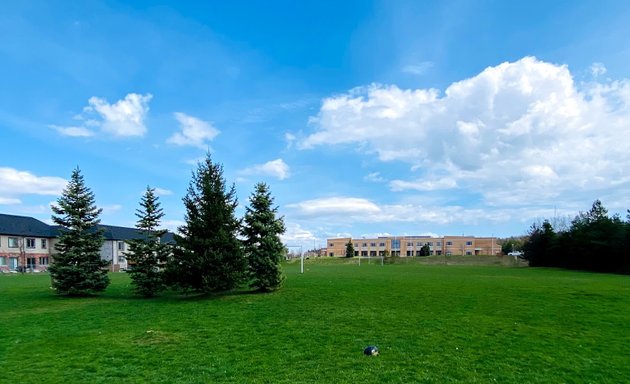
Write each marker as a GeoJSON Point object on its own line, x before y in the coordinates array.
{"type": "Point", "coordinates": [44, 244]}
{"type": "Point", "coordinates": [3, 261]}
{"type": "Point", "coordinates": [121, 245]}
{"type": "Point", "coordinates": [30, 243]}
{"type": "Point", "coordinates": [469, 243]}
{"type": "Point", "coordinates": [30, 262]}
{"type": "Point", "coordinates": [43, 261]}
{"type": "Point", "coordinates": [449, 243]}
{"type": "Point", "coordinates": [13, 242]}
{"type": "Point", "coordinates": [468, 253]}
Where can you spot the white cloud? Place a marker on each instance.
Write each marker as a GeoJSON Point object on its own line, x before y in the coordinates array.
{"type": "Point", "coordinates": [9, 201]}
{"type": "Point", "coordinates": [194, 132]}
{"type": "Point", "coordinates": [354, 210]}
{"type": "Point", "coordinates": [417, 69]}
{"type": "Point", "coordinates": [73, 131]}
{"type": "Point", "coordinates": [274, 168]}
{"type": "Point", "coordinates": [335, 206]}
{"type": "Point", "coordinates": [374, 177]}
{"type": "Point", "coordinates": [519, 133]}
{"type": "Point", "coordinates": [163, 192]}
{"type": "Point", "coordinates": [14, 183]}
{"type": "Point", "coordinates": [598, 69]}
{"type": "Point", "coordinates": [296, 235]}
{"type": "Point", "coordinates": [423, 185]}
{"type": "Point", "coordinates": [123, 118]}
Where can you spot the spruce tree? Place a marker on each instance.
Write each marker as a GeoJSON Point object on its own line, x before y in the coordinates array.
{"type": "Point", "coordinates": [349, 249]}
{"type": "Point", "coordinates": [147, 254]}
{"type": "Point", "coordinates": [263, 246]}
{"type": "Point", "coordinates": [77, 268]}
{"type": "Point", "coordinates": [208, 255]}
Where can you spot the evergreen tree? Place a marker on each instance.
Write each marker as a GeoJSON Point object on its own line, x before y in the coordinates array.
{"type": "Point", "coordinates": [263, 246]}
{"type": "Point", "coordinates": [208, 255]}
{"type": "Point", "coordinates": [425, 250]}
{"type": "Point", "coordinates": [77, 268]}
{"type": "Point", "coordinates": [349, 249]}
{"type": "Point", "coordinates": [147, 254]}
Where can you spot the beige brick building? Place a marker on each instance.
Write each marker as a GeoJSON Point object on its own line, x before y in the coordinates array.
{"type": "Point", "coordinates": [411, 245]}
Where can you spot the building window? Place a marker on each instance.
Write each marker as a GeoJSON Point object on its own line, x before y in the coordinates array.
{"type": "Point", "coordinates": [372, 253]}
{"type": "Point", "coordinates": [372, 244]}
{"type": "Point", "coordinates": [331, 245]}
{"type": "Point", "coordinates": [468, 253]}
{"type": "Point", "coordinates": [331, 254]}
{"type": "Point", "coordinates": [43, 261]}
{"type": "Point", "coordinates": [439, 243]}
{"type": "Point", "coordinates": [430, 243]}
{"type": "Point", "coordinates": [356, 253]}
{"type": "Point", "coordinates": [364, 245]}
{"type": "Point", "coordinates": [356, 245]}
{"type": "Point", "coordinates": [449, 253]}
{"type": "Point", "coordinates": [419, 244]}
{"type": "Point", "coordinates": [30, 243]}
{"type": "Point", "coordinates": [44, 244]}
{"type": "Point", "coordinates": [30, 262]}
{"type": "Point", "coordinates": [3, 261]}
{"type": "Point", "coordinates": [363, 253]}
{"type": "Point", "coordinates": [381, 244]}
{"type": "Point", "coordinates": [449, 243]}
{"type": "Point", "coordinates": [409, 253]}
{"type": "Point", "coordinates": [409, 244]}
{"type": "Point", "coordinates": [469, 243]}
{"type": "Point", "coordinates": [13, 242]}
{"type": "Point", "coordinates": [121, 245]}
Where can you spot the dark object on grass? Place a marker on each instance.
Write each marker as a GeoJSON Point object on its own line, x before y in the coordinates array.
{"type": "Point", "coordinates": [371, 351]}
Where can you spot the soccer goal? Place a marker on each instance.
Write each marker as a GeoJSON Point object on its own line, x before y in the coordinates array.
{"type": "Point", "coordinates": [370, 259]}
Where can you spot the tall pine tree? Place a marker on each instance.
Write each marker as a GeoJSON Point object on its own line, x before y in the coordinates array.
{"type": "Point", "coordinates": [147, 254]}
{"type": "Point", "coordinates": [208, 255]}
{"type": "Point", "coordinates": [77, 268]}
{"type": "Point", "coordinates": [263, 246]}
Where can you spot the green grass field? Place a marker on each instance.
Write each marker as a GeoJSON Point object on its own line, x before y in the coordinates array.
{"type": "Point", "coordinates": [432, 323]}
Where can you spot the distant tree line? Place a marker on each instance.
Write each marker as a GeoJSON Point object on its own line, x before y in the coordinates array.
{"type": "Point", "coordinates": [214, 250]}
{"type": "Point", "coordinates": [594, 241]}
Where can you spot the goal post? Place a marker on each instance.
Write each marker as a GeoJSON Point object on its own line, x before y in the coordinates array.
{"type": "Point", "coordinates": [370, 259]}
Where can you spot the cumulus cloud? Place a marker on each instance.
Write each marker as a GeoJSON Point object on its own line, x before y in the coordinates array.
{"type": "Point", "coordinates": [598, 69]}
{"type": "Point", "coordinates": [356, 210]}
{"type": "Point", "coordinates": [275, 168]}
{"type": "Point", "coordinates": [14, 183]}
{"type": "Point", "coordinates": [374, 177]}
{"type": "Point", "coordinates": [163, 192]}
{"type": "Point", "coordinates": [194, 132]}
{"type": "Point", "coordinates": [417, 69]}
{"type": "Point", "coordinates": [520, 132]}
{"type": "Point", "coordinates": [124, 118]}
{"type": "Point", "coordinates": [73, 131]}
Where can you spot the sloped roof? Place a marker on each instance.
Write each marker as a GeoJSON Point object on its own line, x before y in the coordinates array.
{"type": "Point", "coordinates": [28, 226]}
{"type": "Point", "coordinates": [24, 226]}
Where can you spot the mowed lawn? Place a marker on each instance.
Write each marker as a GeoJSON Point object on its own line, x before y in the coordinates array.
{"type": "Point", "coordinates": [432, 323]}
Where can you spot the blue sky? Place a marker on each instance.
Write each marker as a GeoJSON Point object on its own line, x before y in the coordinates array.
{"type": "Point", "coordinates": [365, 118]}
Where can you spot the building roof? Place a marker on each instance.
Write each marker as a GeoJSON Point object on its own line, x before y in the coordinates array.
{"type": "Point", "coordinates": [28, 226]}
{"type": "Point", "coordinates": [24, 226]}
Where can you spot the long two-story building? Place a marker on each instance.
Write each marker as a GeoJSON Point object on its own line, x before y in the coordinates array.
{"type": "Point", "coordinates": [29, 244]}
{"type": "Point", "coordinates": [411, 246]}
